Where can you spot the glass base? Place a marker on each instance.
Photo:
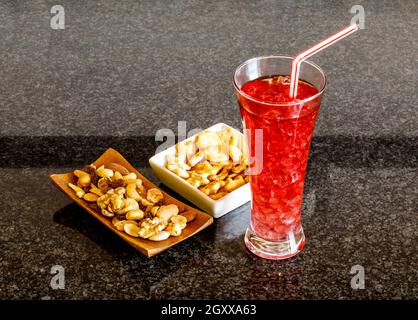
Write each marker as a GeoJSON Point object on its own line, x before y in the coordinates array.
{"type": "Point", "coordinates": [275, 250]}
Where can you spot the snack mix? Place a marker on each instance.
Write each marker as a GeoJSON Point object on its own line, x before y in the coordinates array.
{"type": "Point", "coordinates": [214, 162]}
{"type": "Point", "coordinates": [120, 195]}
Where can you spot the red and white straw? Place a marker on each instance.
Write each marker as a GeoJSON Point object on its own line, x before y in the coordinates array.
{"type": "Point", "coordinates": [297, 61]}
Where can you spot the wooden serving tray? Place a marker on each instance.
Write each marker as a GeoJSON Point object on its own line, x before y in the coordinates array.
{"type": "Point", "coordinates": [146, 247]}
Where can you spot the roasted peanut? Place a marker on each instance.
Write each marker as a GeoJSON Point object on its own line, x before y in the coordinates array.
{"type": "Point", "coordinates": [197, 180]}
{"type": "Point", "coordinates": [220, 176]}
{"type": "Point", "coordinates": [160, 236]}
{"type": "Point", "coordinates": [231, 185]}
{"type": "Point", "coordinates": [218, 195]}
{"type": "Point", "coordinates": [239, 168]}
{"type": "Point", "coordinates": [90, 197]}
{"type": "Point", "coordinates": [212, 187]}
{"type": "Point", "coordinates": [154, 195]}
{"type": "Point", "coordinates": [207, 169]}
{"type": "Point", "coordinates": [78, 191]}
{"type": "Point", "coordinates": [167, 211]}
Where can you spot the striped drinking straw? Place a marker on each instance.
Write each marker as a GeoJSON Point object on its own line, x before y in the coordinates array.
{"type": "Point", "coordinates": [311, 51]}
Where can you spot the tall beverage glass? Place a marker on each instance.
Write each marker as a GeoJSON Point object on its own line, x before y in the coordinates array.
{"type": "Point", "coordinates": [278, 133]}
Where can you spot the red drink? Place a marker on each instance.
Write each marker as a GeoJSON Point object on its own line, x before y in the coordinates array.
{"type": "Point", "coordinates": [278, 172]}
{"type": "Point", "coordinates": [287, 132]}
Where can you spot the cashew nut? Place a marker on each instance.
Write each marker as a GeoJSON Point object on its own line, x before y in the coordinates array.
{"type": "Point", "coordinates": [78, 191]}
{"type": "Point", "coordinates": [104, 173]}
{"type": "Point", "coordinates": [167, 211]}
{"type": "Point", "coordinates": [130, 204]}
{"type": "Point", "coordinates": [146, 203]}
{"type": "Point", "coordinates": [135, 215]}
{"type": "Point", "coordinates": [131, 191]}
{"type": "Point", "coordinates": [128, 177]}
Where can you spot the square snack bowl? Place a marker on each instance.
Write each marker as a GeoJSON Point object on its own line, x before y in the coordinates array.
{"type": "Point", "coordinates": [215, 208]}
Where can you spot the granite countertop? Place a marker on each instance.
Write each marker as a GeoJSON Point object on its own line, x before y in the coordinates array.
{"type": "Point", "coordinates": [120, 71]}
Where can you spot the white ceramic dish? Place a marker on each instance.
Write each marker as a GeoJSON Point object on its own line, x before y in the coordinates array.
{"type": "Point", "coordinates": [216, 208]}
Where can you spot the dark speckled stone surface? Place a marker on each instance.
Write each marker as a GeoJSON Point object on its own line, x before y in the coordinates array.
{"type": "Point", "coordinates": [121, 70]}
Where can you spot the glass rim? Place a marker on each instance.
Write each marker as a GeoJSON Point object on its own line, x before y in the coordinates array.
{"type": "Point", "coordinates": [319, 93]}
